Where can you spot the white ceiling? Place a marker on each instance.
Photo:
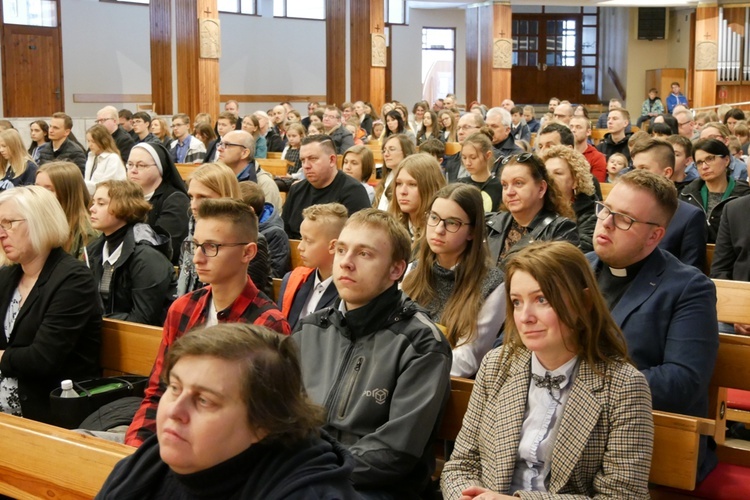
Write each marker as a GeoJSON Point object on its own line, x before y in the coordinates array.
{"type": "Point", "coordinates": [447, 4]}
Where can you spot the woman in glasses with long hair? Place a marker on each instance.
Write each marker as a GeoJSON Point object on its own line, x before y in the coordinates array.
{"type": "Point", "coordinates": [454, 279]}
{"type": "Point", "coordinates": [532, 209]}
{"type": "Point", "coordinates": [130, 260]}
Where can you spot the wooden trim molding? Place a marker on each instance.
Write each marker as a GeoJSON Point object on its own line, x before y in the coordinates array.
{"type": "Point", "coordinates": [146, 98]}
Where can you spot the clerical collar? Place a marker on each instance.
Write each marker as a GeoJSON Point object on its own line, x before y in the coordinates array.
{"type": "Point", "coordinates": [627, 273]}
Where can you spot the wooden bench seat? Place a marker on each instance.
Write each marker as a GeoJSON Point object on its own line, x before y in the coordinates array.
{"type": "Point", "coordinates": [128, 348]}
{"type": "Point", "coordinates": [43, 461]}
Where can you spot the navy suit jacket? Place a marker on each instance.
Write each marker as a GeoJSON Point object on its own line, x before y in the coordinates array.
{"type": "Point", "coordinates": [327, 300]}
{"type": "Point", "coordinates": [687, 235]}
{"type": "Point", "coordinates": [668, 317]}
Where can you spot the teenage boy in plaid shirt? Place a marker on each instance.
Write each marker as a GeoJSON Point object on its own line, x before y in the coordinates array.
{"type": "Point", "coordinates": [224, 242]}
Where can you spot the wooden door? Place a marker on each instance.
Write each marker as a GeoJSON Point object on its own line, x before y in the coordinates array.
{"type": "Point", "coordinates": [546, 58]}
{"type": "Point", "coordinates": [32, 71]}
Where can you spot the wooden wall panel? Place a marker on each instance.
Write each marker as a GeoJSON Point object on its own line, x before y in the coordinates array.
{"type": "Point", "coordinates": [706, 29]}
{"type": "Point", "coordinates": [198, 79]}
{"type": "Point", "coordinates": [485, 53]}
{"type": "Point", "coordinates": [335, 51]}
{"type": "Point", "coordinates": [160, 18]}
{"type": "Point", "coordinates": [502, 21]}
{"type": "Point", "coordinates": [472, 54]}
{"type": "Point", "coordinates": [368, 83]}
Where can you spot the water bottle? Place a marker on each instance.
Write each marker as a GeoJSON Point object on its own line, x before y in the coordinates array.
{"type": "Point", "coordinates": [67, 389]}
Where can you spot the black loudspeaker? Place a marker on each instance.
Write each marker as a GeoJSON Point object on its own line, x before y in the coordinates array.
{"type": "Point", "coordinates": [652, 23]}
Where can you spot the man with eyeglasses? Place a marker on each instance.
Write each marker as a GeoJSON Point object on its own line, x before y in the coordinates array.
{"type": "Point", "coordinates": [686, 235]}
{"type": "Point", "coordinates": [223, 244]}
{"type": "Point", "coordinates": [237, 151]}
{"type": "Point", "coordinates": [341, 137]}
{"type": "Point", "coordinates": [468, 124]}
{"type": "Point", "coordinates": [108, 117]}
{"type": "Point", "coordinates": [323, 183]}
{"type": "Point", "coordinates": [665, 308]}
{"type": "Point", "coordinates": [142, 128]}
{"type": "Point", "coordinates": [185, 148]}
{"type": "Point", "coordinates": [225, 123]}
{"type": "Point", "coordinates": [503, 145]}
{"type": "Point", "coordinates": [60, 147]}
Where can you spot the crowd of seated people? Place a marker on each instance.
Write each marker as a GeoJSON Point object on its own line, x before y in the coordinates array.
{"type": "Point", "coordinates": [465, 264]}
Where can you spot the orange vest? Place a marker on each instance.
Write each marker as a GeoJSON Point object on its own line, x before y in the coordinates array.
{"type": "Point", "coordinates": [296, 279]}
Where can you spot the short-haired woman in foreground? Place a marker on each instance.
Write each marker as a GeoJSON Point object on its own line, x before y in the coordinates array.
{"type": "Point", "coordinates": [558, 409]}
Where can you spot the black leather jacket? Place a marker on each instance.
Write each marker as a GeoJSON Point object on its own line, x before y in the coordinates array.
{"type": "Point", "coordinates": [692, 194]}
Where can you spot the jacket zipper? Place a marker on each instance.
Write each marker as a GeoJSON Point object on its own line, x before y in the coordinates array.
{"type": "Point", "coordinates": [351, 380]}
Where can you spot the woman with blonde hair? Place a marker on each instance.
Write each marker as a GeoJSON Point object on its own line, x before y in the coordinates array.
{"type": "Point", "coordinates": [251, 125]}
{"type": "Point", "coordinates": [395, 148]}
{"type": "Point", "coordinates": [415, 181]}
{"type": "Point", "coordinates": [104, 162]}
{"type": "Point", "coordinates": [454, 279]}
{"type": "Point", "coordinates": [359, 162]}
{"type": "Point", "coordinates": [160, 129]}
{"type": "Point", "coordinates": [212, 181]}
{"type": "Point", "coordinates": [16, 166]}
{"type": "Point", "coordinates": [558, 411]}
{"type": "Point", "coordinates": [573, 178]}
{"type": "Point", "coordinates": [63, 179]}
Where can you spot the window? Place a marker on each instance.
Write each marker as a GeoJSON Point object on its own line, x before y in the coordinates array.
{"type": "Point", "coordinates": [395, 11]}
{"type": "Point", "coordinates": [303, 9]}
{"type": "Point", "coordinates": [30, 12]}
{"type": "Point", "coordinates": [230, 6]}
{"type": "Point", "coordinates": [589, 51]}
{"type": "Point", "coordinates": [438, 62]}
{"type": "Point", "coordinates": [236, 6]}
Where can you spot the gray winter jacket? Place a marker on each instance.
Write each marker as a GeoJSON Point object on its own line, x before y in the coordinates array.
{"type": "Point", "coordinates": [383, 373]}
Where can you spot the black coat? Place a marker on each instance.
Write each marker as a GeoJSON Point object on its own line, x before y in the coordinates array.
{"type": "Point", "coordinates": [143, 280]}
{"type": "Point", "coordinates": [558, 228]}
{"type": "Point", "coordinates": [124, 143]}
{"type": "Point", "coordinates": [692, 194]}
{"type": "Point", "coordinates": [68, 151]}
{"type": "Point", "coordinates": [57, 333]}
{"type": "Point", "coordinates": [585, 211]}
{"type": "Point", "coordinates": [732, 254]}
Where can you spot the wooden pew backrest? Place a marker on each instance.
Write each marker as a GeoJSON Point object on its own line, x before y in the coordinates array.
{"type": "Point", "coordinates": [129, 348]}
{"type": "Point", "coordinates": [274, 167]}
{"type": "Point", "coordinates": [733, 301]}
{"type": "Point", "coordinates": [674, 462]}
{"type": "Point", "coordinates": [185, 169]}
{"type": "Point", "coordinates": [43, 461]}
{"type": "Point", "coordinates": [294, 250]}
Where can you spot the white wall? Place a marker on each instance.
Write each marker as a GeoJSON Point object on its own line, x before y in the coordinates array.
{"type": "Point", "coordinates": [407, 52]}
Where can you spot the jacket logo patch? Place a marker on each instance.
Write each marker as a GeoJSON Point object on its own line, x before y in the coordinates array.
{"type": "Point", "coordinates": [380, 395]}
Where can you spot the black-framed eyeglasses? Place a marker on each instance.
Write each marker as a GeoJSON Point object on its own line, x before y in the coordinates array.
{"type": "Point", "coordinates": [224, 145]}
{"type": "Point", "coordinates": [208, 249]}
{"type": "Point", "coordinates": [450, 224]}
{"type": "Point", "coordinates": [7, 225]}
{"type": "Point", "coordinates": [708, 159]}
{"type": "Point", "coordinates": [622, 221]}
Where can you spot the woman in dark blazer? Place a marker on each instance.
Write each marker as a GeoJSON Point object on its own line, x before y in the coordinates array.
{"type": "Point", "coordinates": [51, 319]}
{"type": "Point", "coordinates": [558, 410]}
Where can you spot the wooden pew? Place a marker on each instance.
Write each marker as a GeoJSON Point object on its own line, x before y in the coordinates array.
{"type": "Point", "coordinates": [597, 135]}
{"type": "Point", "coordinates": [606, 188]}
{"type": "Point", "coordinates": [42, 461]}
{"type": "Point", "coordinates": [452, 148]}
{"type": "Point", "coordinates": [272, 156]}
{"type": "Point", "coordinates": [128, 348]}
{"type": "Point", "coordinates": [185, 169]}
{"type": "Point", "coordinates": [274, 167]}
{"type": "Point", "coordinates": [710, 249]}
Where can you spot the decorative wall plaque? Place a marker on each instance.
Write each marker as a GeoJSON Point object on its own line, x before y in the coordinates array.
{"type": "Point", "coordinates": [378, 50]}
{"type": "Point", "coordinates": [706, 55]}
{"type": "Point", "coordinates": [210, 38]}
{"type": "Point", "coordinates": [502, 53]}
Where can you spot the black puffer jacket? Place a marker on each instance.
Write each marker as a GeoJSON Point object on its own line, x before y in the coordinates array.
{"type": "Point", "coordinates": [692, 194]}
{"type": "Point", "coordinates": [546, 226]}
{"type": "Point", "coordinates": [143, 281]}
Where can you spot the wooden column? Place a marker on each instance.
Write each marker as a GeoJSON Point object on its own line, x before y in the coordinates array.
{"type": "Point", "coordinates": [706, 30]}
{"type": "Point", "coordinates": [367, 81]}
{"type": "Point", "coordinates": [485, 54]}
{"type": "Point", "coordinates": [197, 77]}
{"type": "Point", "coordinates": [472, 54]}
{"type": "Point", "coordinates": [335, 51]}
{"type": "Point", "coordinates": [502, 22]}
{"type": "Point", "coordinates": [160, 18]}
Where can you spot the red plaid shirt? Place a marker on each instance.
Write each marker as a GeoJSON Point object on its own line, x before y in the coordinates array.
{"type": "Point", "coordinates": [185, 313]}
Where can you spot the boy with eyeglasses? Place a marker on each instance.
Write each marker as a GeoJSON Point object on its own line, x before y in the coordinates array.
{"type": "Point", "coordinates": [185, 148]}
{"type": "Point", "coordinates": [224, 242]}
